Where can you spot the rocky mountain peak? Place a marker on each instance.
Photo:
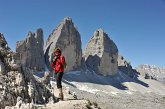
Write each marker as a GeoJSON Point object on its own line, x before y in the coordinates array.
{"type": "Point", "coordinates": [101, 54]}
{"type": "Point", "coordinates": [65, 23]}
{"type": "Point", "coordinates": [99, 33]}
{"type": "Point", "coordinates": [68, 20]}
{"type": "Point", "coordinates": [31, 50]}
{"type": "Point", "coordinates": [68, 39]}
{"type": "Point", "coordinates": [151, 68]}
{"type": "Point", "coordinates": [152, 72]}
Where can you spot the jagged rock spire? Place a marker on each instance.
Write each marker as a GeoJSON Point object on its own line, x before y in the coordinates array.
{"type": "Point", "coordinates": [66, 37]}
{"type": "Point", "coordinates": [31, 50]}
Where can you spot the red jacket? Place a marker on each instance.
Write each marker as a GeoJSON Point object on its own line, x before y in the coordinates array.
{"type": "Point", "coordinates": [59, 65]}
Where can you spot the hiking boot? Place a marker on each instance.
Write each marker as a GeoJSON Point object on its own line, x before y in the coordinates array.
{"type": "Point", "coordinates": [61, 96]}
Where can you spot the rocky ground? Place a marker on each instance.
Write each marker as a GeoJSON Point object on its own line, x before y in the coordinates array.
{"type": "Point", "coordinates": [118, 92]}
{"type": "Point", "coordinates": [122, 93]}
{"type": "Point", "coordinates": [130, 94]}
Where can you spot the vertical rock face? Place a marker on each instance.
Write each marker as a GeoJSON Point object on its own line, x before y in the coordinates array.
{"type": "Point", "coordinates": [101, 54]}
{"type": "Point", "coordinates": [67, 38]}
{"type": "Point", "coordinates": [31, 51]}
{"type": "Point", "coordinates": [2, 68]}
{"type": "Point", "coordinates": [9, 68]}
{"type": "Point", "coordinates": [3, 51]}
{"type": "Point", "coordinates": [3, 43]}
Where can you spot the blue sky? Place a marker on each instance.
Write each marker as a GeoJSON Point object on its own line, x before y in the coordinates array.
{"type": "Point", "coordinates": [136, 26]}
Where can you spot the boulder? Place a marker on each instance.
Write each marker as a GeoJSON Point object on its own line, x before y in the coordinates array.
{"type": "Point", "coordinates": [46, 79]}
{"type": "Point", "coordinates": [101, 54]}
{"type": "Point", "coordinates": [67, 38]}
{"type": "Point", "coordinates": [31, 51]}
{"type": "Point", "coordinates": [19, 79]}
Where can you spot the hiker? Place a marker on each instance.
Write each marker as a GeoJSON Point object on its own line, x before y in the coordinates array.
{"type": "Point", "coordinates": [58, 65]}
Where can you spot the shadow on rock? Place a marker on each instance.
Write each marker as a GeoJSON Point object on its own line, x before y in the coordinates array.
{"type": "Point", "coordinates": [91, 77]}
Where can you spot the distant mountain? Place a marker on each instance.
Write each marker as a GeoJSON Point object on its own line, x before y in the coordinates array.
{"type": "Point", "coordinates": [152, 72]}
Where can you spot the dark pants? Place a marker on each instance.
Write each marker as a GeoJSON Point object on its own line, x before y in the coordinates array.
{"type": "Point", "coordinates": [58, 77]}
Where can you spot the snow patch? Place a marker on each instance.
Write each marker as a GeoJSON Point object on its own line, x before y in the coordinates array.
{"type": "Point", "coordinates": [114, 93]}
{"type": "Point", "coordinates": [149, 91]}
{"type": "Point", "coordinates": [87, 89]}
{"type": "Point", "coordinates": [105, 92]}
{"type": "Point", "coordinates": [129, 92]}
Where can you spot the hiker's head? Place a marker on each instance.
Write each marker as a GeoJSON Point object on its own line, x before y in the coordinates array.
{"type": "Point", "coordinates": [57, 51]}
